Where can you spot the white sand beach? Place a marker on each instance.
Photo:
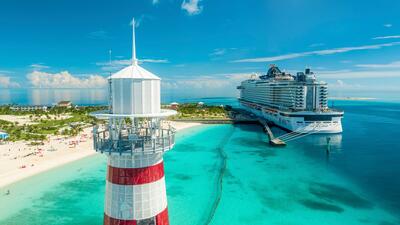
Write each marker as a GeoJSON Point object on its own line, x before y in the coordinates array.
{"type": "Point", "coordinates": [26, 120]}
{"type": "Point", "coordinates": [18, 160]}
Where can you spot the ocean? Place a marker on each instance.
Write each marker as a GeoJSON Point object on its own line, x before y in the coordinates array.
{"type": "Point", "coordinates": [228, 174]}
{"type": "Point", "coordinates": [37, 96]}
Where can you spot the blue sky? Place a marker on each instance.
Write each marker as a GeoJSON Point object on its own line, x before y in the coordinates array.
{"type": "Point", "coordinates": [201, 47]}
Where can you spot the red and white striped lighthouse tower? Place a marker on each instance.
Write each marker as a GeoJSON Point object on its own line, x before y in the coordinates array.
{"type": "Point", "coordinates": [134, 138]}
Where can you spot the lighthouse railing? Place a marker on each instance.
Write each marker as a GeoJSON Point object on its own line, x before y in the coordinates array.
{"type": "Point", "coordinates": [144, 140]}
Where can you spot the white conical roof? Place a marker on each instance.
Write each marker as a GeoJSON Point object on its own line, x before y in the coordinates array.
{"type": "Point", "coordinates": [134, 71]}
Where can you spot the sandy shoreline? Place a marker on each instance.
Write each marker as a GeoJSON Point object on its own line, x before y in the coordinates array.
{"type": "Point", "coordinates": [18, 160]}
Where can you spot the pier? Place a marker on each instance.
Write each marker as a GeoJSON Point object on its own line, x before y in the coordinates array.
{"type": "Point", "coordinates": [272, 140]}
{"type": "Point", "coordinates": [242, 116]}
{"type": "Point", "coordinates": [239, 116]}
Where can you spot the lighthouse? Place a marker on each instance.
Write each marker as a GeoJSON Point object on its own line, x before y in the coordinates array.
{"type": "Point", "coordinates": [133, 136]}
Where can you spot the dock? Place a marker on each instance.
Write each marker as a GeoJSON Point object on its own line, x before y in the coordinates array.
{"type": "Point", "coordinates": [242, 116]}
{"type": "Point", "coordinates": [272, 140]}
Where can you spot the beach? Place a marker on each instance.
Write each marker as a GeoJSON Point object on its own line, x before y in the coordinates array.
{"type": "Point", "coordinates": [19, 160]}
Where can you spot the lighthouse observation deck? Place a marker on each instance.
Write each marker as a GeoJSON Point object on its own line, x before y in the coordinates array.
{"type": "Point", "coordinates": [133, 133]}
{"type": "Point", "coordinates": [134, 140]}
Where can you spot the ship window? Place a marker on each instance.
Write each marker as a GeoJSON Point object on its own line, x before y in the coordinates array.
{"type": "Point", "coordinates": [149, 221]}
{"type": "Point", "coordinates": [318, 117]}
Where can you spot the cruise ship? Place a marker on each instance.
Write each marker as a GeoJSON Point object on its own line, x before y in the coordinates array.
{"type": "Point", "coordinates": [295, 103]}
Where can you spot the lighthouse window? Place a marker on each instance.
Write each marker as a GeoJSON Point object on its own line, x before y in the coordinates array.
{"type": "Point", "coordinates": [149, 221]}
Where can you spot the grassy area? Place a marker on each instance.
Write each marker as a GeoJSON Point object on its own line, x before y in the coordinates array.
{"type": "Point", "coordinates": [191, 111]}
{"type": "Point", "coordinates": [57, 120]}
{"type": "Point", "coordinates": [70, 121]}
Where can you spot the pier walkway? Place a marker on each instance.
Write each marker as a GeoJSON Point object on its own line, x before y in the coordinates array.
{"type": "Point", "coordinates": [242, 116]}
{"type": "Point", "coordinates": [272, 140]}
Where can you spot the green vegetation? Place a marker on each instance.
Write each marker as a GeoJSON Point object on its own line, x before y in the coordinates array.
{"type": "Point", "coordinates": [57, 120]}
{"type": "Point", "coordinates": [71, 121]}
{"type": "Point", "coordinates": [191, 111]}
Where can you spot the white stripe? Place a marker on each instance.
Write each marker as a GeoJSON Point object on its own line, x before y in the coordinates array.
{"type": "Point", "coordinates": [135, 202]}
{"type": "Point", "coordinates": [134, 161]}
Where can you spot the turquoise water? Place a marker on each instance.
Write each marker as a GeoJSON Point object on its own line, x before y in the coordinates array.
{"type": "Point", "coordinates": [225, 174]}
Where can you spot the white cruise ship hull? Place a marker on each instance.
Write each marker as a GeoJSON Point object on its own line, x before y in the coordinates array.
{"type": "Point", "coordinates": [302, 122]}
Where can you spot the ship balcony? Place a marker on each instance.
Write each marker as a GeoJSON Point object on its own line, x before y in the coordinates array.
{"type": "Point", "coordinates": [142, 141]}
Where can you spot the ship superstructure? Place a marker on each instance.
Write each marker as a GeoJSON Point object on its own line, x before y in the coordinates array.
{"type": "Point", "coordinates": [297, 103]}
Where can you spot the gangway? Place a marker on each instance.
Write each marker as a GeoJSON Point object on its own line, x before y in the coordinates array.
{"type": "Point", "coordinates": [272, 140]}
{"type": "Point", "coordinates": [300, 133]}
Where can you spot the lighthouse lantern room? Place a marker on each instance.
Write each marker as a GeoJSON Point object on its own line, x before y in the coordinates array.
{"type": "Point", "coordinates": [134, 137]}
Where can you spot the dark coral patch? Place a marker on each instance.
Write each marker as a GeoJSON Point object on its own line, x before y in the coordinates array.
{"type": "Point", "coordinates": [339, 194]}
{"type": "Point", "coordinates": [321, 206]}
{"type": "Point", "coordinates": [182, 177]}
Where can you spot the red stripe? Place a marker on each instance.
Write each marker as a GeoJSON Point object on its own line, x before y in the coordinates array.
{"type": "Point", "coordinates": [112, 221]}
{"type": "Point", "coordinates": [162, 218]}
{"type": "Point", "coordinates": [135, 176]}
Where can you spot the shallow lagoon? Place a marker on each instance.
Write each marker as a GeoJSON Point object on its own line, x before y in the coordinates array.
{"type": "Point", "coordinates": [225, 174]}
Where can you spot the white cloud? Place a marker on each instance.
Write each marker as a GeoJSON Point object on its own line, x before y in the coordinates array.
{"type": "Point", "coordinates": [214, 85]}
{"type": "Point", "coordinates": [386, 37]}
{"type": "Point", "coordinates": [341, 85]}
{"type": "Point", "coordinates": [340, 82]}
{"type": "Point", "coordinates": [137, 21]}
{"type": "Point", "coordinates": [5, 82]}
{"type": "Point", "coordinates": [115, 65]}
{"type": "Point", "coordinates": [349, 74]}
{"type": "Point", "coordinates": [38, 66]}
{"type": "Point", "coordinates": [153, 61]}
{"type": "Point", "coordinates": [395, 64]}
{"type": "Point", "coordinates": [218, 52]}
{"type": "Point", "coordinates": [64, 80]}
{"type": "Point", "coordinates": [192, 7]}
{"type": "Point", "coordinates": [387, 25]}
{"type": "Point", "coordinates": [318, 52]}
{"type": "Point", "coordinates": [208, 82]}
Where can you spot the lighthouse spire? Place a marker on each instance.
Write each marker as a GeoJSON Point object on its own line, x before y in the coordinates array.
{"type": "Point", "coordinates": [134, 60]}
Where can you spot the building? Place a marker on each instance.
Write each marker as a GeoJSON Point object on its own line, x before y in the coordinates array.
{"type": "Point", "coordinates": [135, 182]}
{"type": "Point", "coordinates": [174, 105]}
{"type": "Point", "coordinates": [27, 108]}
{"type": "Point", "coordinates": [66, 104]}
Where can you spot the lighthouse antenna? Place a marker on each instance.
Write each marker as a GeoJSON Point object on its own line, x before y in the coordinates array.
{"type": "Point", "coordinates": [134, 60]}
